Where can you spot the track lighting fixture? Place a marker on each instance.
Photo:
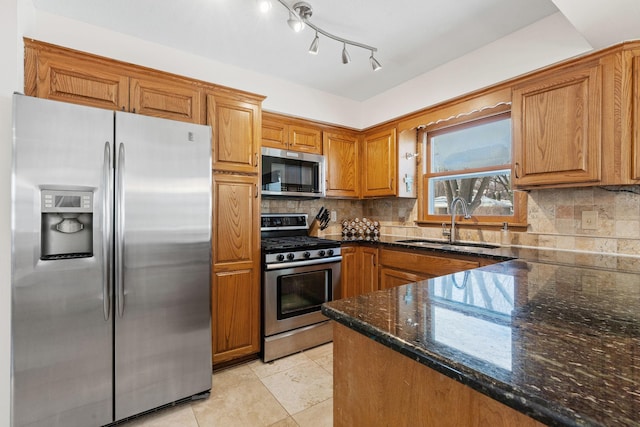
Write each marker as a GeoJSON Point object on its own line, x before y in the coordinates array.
{"type": "Point", "coordinates": [299, 15]}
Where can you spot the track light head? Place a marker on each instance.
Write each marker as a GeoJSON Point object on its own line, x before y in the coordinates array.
{"type": "Point", "coordinates": [345, 55]}
{"type": "Point", "coordinates": [313, 49]}
{"type": "Point", "coordinates": [374, 63]}
{"type": "Point", "coordinates": [295, 23]}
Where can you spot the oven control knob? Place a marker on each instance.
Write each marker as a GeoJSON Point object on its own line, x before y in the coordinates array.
{"type": "Point", "coordinates": [280, 257]}
{"type": "Point", "coordinates": [290, 256]}
{"type": "Point", "coordinates": [330, 252]}
{"type": "Point", "coordinates": [321, 252]}
{"type": "Point", "coordinates": [306, 254]}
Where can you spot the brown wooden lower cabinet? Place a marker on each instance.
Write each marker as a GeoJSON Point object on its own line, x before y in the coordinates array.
{"type": "Point", "coordinates": [366, 268]}
{"type": "Point", "coordinates": [376, 386]}
{"type": "Point", "coordinates": [359, 273]}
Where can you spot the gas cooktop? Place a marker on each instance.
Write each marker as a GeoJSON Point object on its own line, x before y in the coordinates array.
{"type": "Point", "coordinates": [287, 243]}
{"type": "Point", "coordinates": [287, 233]}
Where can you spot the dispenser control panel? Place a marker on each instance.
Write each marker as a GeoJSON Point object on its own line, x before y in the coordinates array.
{"type": "Point", "coordinates": [63, 201]}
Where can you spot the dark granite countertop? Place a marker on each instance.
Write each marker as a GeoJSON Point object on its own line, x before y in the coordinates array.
{"type": "Point", "coordinates": [555, 335]}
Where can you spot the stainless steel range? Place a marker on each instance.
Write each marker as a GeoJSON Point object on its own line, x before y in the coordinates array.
{"type": "Point", "coordinates": [300, 273]}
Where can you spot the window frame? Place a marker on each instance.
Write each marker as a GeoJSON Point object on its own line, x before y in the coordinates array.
{"type": "Point", "coordinates": [519, 217]}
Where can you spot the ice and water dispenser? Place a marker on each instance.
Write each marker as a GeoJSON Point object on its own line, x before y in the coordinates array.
{"type": "Point", "coordinates": [67, 224]}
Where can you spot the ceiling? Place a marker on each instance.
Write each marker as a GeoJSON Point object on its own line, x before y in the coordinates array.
{"type": "Point", "coordinates": [412, 36]}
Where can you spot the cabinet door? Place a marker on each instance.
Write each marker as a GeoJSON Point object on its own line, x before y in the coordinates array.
{"type": "Point", "coordinates": [557, 128]}
{"type": "Point", "coordinates": [349, 274]}
{"type": "Point", "coordinates": [275, 134]}
{"type": "Point", "coordinates": [305, 139]}
{"type": "Point", "coordinates": [236, 267]}
{"type": "Point", "coordinates": [341, 153]}
{"type": "Point", "coordinates": [235, 328]}
{"type": "Point", "coordinates": [166, 98]}
{"type": "Point", "coordinates": [368, 267]}
{"type": "Point", "coordinates": [359, 273]}
{"type": "Point", "coordinates": [236, 134]}
{"type": "Point", "coordinates": [390, 278]}
{"type": "Point", "coordinates": [84, 82]}
{"type": "Point", "coordinates": [380, 163]}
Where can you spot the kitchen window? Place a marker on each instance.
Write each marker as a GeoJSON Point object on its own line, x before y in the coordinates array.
{"type": "Point", "coordinates": [472, 160]}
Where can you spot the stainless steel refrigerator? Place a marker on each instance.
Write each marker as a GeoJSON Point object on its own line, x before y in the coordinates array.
{"type": "Point", "coordinates": [111, 248]}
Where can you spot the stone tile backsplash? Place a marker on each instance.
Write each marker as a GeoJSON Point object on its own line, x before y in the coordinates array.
{"type": "Point", "coordinates": [554, 216]}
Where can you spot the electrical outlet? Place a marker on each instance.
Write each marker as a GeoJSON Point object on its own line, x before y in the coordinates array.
{"type": "Point", "coordinates": [334, 216]}
{"type": "Point", "coordinates": [589, 220]}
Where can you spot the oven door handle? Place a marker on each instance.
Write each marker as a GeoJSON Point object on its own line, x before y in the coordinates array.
{"type": "Point", "coordinates": [303, 263]}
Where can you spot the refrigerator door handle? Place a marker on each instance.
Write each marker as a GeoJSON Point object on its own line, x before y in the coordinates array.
{"type": "Point", "coordinates": [106, 227]}
{"type": "Point", "coordinates": [120, 230]}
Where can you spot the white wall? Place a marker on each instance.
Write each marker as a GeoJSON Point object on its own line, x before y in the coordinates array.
{"type": "Point", "coordinates": [603, 23]}
{"type": "Point", "coordinates": [282, 96]}
{"type": "Point", "coordinates": [547, 41]}
{"type": "Point", "coordinates": [542, 43]}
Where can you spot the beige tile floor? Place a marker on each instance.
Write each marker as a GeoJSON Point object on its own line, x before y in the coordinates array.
{"type": "Point", "coordinates": [293, 391]}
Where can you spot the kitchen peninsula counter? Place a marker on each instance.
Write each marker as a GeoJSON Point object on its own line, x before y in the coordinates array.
{"type": "Point", "coordinates": [551, 335]}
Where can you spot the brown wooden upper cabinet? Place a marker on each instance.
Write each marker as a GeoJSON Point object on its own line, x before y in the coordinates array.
{"type": "Point", "coordinates": [557, 124]}
{"type": "Point", "coordinates": [380, 158]}
{"type": "Point", "coordinates": [236, 133]}
{"type": "Point", "coordinates": [75, 80]}
{"type": "Point", "coordinates": [166, 99]}
{"type": "Point", "coordinates": [66, 76]}
{"type": "Point", "coordinates": [342, 164]}
{"type": "Point", "coordinates": [290, 134]}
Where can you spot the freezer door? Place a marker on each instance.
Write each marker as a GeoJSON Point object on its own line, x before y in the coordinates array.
{"type": "Point", "coordinates": [163, 252]}
{"type": "Point", "coordinates": [61, 327]}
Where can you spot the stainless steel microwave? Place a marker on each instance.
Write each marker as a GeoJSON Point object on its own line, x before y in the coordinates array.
{"type": "Point", "coordinates": [292, 174]}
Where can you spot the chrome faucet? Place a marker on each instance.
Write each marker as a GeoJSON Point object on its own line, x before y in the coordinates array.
{"type": "Point", "coordinates": [452, 209]}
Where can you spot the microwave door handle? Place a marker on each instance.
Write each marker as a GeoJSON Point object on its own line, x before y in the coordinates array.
{"type": "Point", "coordinates": [107, 253]}
{"type": "Point", "coordinates": [120, 211]}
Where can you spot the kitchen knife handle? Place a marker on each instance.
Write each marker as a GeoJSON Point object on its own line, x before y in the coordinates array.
{"type": "Point", "coordinates": [106, 231]}
{"type": "Point", "coordinates": [120, 230]}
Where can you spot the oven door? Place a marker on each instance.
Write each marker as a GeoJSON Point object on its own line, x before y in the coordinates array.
{"type": "Point", "coordinates": [292, 296]}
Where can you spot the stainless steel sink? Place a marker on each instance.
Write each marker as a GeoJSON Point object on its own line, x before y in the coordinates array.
{"type": "Point", "coordinates": [445, 243]}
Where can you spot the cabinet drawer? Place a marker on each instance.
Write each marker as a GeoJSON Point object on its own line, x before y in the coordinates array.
{"type": "Point", "coordinates": [426, 264]}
